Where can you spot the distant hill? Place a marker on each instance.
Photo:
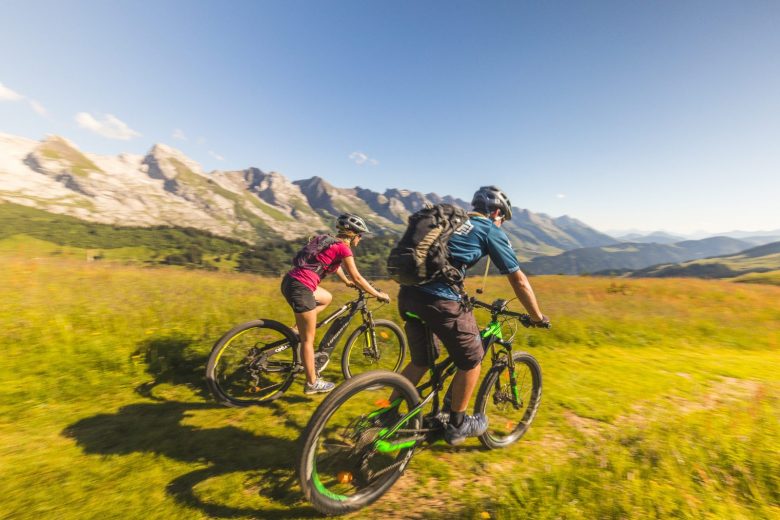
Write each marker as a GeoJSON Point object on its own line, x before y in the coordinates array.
{"type": "Point", "coordinates": [631, 256]}
{"type": "Point", "coordinates": [166, 188]}
{"type": "Point", "coordinates": [658, 237]}
{"type": "Point", "coordinates": [762, 239]}
{"type": "Point", "coordinates": [761, 259]}
{"type": "Point", "coordinates": [755, 238]}
{"type": "Point", "coordinates": [761, 235]}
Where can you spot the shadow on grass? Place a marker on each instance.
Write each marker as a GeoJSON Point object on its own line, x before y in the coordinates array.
{"type": "Point", "coordinates": [157, 428]}
{"type": "Point", "coordinates": [172, 360]}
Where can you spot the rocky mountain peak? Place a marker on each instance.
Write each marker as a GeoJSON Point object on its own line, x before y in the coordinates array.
{"type": "Point", "coordinates": [167, 163]}
{"type": "Point", "coordinates": [316, 185]}
{"type": "Point", "coordinates": [318, 193]}
{"type": "Point", "coordinates": [61, 160]}
{"type": "Point", "coordinates": [56, 140]}
{"type": "Point", "coordinates": [165, 187]}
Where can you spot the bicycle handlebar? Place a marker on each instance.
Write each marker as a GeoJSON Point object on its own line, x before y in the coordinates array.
{"type": "Point", "coordinates": [365, 293]}
{"type": "Point", "coordinates": [499, 308]}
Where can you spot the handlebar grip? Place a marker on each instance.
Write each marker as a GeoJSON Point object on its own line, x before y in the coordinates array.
{"type": "Point", "coordinates": [540, 325]}
{"type": "Point", "coordinates": [524, 319]}
{"type": "Point", "coordinates": [518, 315]}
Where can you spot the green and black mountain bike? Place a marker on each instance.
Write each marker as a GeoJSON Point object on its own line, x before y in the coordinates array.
{"type": "Point", "coordinates": [357, 443]}
{"type": "Point", "coordinates": [256, 362]}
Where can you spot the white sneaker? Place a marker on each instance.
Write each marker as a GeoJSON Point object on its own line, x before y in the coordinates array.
{"type": "Point", "coordinates": [320, 386]}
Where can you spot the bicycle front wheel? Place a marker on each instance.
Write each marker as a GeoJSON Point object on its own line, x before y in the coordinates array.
{"type": "Point", "coordinates": [383, 348]}
{"type": "Point", "coordinates": [510, 400]}
{"type": "Point", "coordinates": [357, 443]}
{"type": "Point", "coordinates": [253, 363]}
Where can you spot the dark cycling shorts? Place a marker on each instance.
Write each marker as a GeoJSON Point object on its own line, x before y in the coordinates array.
{"type": "Point", "coordinates": [300, 297]}
{"type": "Point", "coordinates": [455, 326]}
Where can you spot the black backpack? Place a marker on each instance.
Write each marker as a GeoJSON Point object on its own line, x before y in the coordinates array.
{"type": "Point", "coordinates": [306, 258]}
{"type": "Point", "coordinates": [422, 255]}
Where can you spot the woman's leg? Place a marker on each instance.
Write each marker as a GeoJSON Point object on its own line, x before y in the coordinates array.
{"type": "Point", "coordinates": [307, 328]}
{"type": "Point", "coordinates": [323, 298]}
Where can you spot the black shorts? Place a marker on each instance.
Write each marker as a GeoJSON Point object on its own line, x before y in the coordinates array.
{"type": "Point", "coordinates": [449, 320]}
{"type": "Point", "coordinates": [300, 297]}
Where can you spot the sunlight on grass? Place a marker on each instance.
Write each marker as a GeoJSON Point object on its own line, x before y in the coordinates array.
{"type": "Point", "coordinates": [661, 399]}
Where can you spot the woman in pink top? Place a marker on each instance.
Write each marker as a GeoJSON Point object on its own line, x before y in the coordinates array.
{"type": "Point", "coordinates": [300, 288]}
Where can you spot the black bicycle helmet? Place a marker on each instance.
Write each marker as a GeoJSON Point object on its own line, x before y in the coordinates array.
{"type": "Point", "coordinates": [351, 222]}
{"type": "Point", "coordinates": [489, 198]}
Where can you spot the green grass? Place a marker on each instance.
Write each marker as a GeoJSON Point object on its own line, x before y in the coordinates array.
{"type": "Point", "coordinates": [661, 400]}
{"type": "Point", "coordinates": [31, 232]}
{"type": "Point", "coordinates": [23, 246]}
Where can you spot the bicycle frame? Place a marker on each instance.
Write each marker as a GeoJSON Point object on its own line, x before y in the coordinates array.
{"type": "Point", "coordinates": [491, 335]}
{"type": "Point", "coordinates": [340, 321]}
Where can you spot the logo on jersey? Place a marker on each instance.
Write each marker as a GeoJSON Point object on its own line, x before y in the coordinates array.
{"type": "Point", "coordinates": [464, 228]}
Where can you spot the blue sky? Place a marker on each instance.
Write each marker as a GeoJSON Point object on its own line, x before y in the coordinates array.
{"type": "Point", "coordinates": [647, 115]}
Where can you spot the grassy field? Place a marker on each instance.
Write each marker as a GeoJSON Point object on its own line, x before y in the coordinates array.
{"type": "Point", "coordinates": [661, 399]}
{"type": "Point", "coordinates": [771, 277]}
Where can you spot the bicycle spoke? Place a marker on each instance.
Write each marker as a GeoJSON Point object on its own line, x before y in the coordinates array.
{"type": "Point", "coordinates": [510, 410]}
{"type": "Point", "coordinates": [254, 365]}
{"type": "Point", "coordinates": [378, 349]}
{"type": "Point", "coordinates": [346, 457]}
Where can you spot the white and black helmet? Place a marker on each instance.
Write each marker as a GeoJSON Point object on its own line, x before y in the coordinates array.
{"type": "Point", "coordinates": [351, 222]}
{"type": "Point", "coordinates": [489, 198]}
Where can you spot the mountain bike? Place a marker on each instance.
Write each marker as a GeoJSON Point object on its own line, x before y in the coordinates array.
{"type": "Point", "coordinates": [358, 443]}
{"type": "Point", "coordinates": [256, 362]}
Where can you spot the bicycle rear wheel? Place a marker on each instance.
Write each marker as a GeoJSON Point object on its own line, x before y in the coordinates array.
{"type": "Point", "coordinates": [353, 448]}
{"type": "Point", "coordinates": [510, 408]}
{"type": "Point", "coordinates": [385, 349]}
{"type": "Point", "coordinates": [253, 363]}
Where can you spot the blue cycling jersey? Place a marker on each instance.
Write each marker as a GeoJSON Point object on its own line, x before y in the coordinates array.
{"type": "Point", "coordinates": [476, 238]}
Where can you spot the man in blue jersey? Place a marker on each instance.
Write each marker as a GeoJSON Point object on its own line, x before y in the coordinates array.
{"type": "Point", "coordinates": [441, 307]}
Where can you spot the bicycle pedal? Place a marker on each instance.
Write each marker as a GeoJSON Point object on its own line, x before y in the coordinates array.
{"type": "Point", "coordinates": [436, 422]}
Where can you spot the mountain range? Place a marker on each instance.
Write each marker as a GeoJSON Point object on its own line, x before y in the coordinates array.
{"type": "Point", "coordinates": [756, 238]}
{"type": "Point", "coordinates": [165, 187]}
{"type": "Point", "coordinates": [761, 259]}
{"type": "Point", "coordinates": [618, 258]}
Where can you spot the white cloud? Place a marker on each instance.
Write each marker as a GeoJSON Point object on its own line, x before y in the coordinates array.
{"type": "Point", "coordinates": [37, 107]}
{"type": "Point", "coordinates": [179, 134]}
{"type": "Point", "coordinates": [361, 158]}
{"type": "Point", "coordinates": [6, 94]}
{"type": "Point", "coordinates": [110, 127]}
{"type": "Point", "coordinates": [216, 156]}
{"type": "Point", "coordinates": [561, 195]}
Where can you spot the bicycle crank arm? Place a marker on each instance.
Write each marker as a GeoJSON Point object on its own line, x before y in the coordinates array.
{"type": "Point", "coordinates": [383, 446]}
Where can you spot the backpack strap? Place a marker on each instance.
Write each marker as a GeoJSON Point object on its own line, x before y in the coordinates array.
{"type": "Point", "coordinates": [324, 242]}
